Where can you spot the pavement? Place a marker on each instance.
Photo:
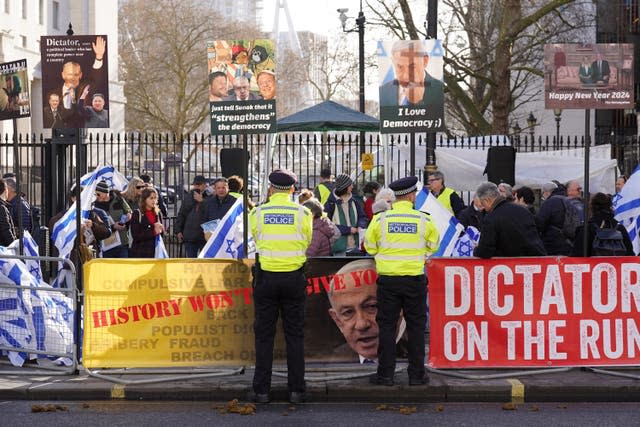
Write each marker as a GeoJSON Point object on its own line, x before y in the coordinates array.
{"type": "Point", "coordinates": [332, 383]}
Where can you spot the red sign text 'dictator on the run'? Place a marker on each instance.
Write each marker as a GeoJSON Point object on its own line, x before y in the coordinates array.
{"type": "Point", "coordinates": [534, 312]}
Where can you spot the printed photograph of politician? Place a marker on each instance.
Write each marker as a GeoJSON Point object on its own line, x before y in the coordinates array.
{"type": "Point", "coordinates": [341, 312]}
{"type": "Point", "coordinates": [75, 81]}
{"type": "Point", "coordinates": [14, 96]}
{"type": "Point", "coordinates": [241, 70]}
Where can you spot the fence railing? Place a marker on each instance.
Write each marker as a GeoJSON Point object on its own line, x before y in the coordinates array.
{"type": "Point", "coordinates": [174, 160]}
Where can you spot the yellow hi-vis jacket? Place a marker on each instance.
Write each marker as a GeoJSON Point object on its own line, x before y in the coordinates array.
{"type": "Point", "coordinates": [400, 239]}
{"type": "Point", "coordinates": [445, 199]}
{"type": "Point", "coordinates": [282, 230]}
{"type": "Point", "coordinates": [324, 192]}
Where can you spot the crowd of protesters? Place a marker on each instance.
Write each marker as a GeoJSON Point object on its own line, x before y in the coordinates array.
{"type": "Point", "coordinates": [507, 219]}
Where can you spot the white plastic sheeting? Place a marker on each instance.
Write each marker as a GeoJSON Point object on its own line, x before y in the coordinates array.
{"type": "Point", "coordinates": [463, 167]}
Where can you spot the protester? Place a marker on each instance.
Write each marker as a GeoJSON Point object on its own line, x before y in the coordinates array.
{"type": "Point", "coordinates": [550, 220]}
{"type": "Point", "coordinates": [446, 196]}
{"type": "Point", "coordinates": [524, 196]}
{"type": "Point", "coordinates": [326, 186]}
{"type": "Point", "coordinates": [117, 245]}
{"type": "Point", "coordinates": [188, 222]}
{"type": "Point", "coordinates": [18, 203]}
{"type": "Point", "coordinates": [133, 191]}
{"type": "Point", "coordinates": [370, 190]}
{"type": "Point", "coordinates": [348, 215]}
{"type": "Point", "coordinates": [280, 284]}
{"type": "Point", "coordinates": [148, 181]}
{"type": "Point", "coordinates": [620, 182]}
{"type": "Point", "coordinates": [399, 239]}
{"type": "Point", "coordinates": [601, 217]}
{"type": "Point", "coordinates": [383, 201]}
{"type": "Point", "coordinates": [325, 232]}
{"type": "Point", "coordinates": [574, 194]}
{"type": "Point", "coordinates": [236, 188]}
{"type": "Point", "coordinates": [7, 229]}
{"type": "Point", "coordinates": [508, 229]}
{"type": "Point", "coordinates": [472, 215]}
{"type": "Point", "coordinates": [146, 224]}
{"type": "Point", "coordinates": [506, 191]}
{"type": "Point", "coordinates": [218, 204]}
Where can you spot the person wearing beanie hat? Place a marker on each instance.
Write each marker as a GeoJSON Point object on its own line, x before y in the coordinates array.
{"type": "Point", "coordinates": [113, 203]}
{"type": "Point", "coordinates": [282, 230]}
{"type": "Point", "coordinates": [346, 213]}
{"type": "Point", "coordinates": [399, 240]}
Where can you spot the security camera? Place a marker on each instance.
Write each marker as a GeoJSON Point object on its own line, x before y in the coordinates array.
{"type": "Point", "coordinates": [343, 10]}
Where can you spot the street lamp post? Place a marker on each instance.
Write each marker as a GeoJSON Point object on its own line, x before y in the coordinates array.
{"type": "Point", "coordinates": [516, 133]}
{"type": "Point", "coordinates": [531, 122]}
{"type": "Point", "coordinates": [360, 20]}
{"type": "Point", "coordinates": [558, 113]}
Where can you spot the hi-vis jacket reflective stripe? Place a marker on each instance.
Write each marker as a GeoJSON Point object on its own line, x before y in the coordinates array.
{"type": "Point", "coordinates": [400, 239]}
{"type": "Point", "coordinates": [445, 199]}
{"type": "Point", "coordinates": [282, 230]}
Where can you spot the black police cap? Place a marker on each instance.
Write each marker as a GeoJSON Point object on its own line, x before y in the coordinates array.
{"type": "Point", "coordinates": [282, 179]}
{"type": "Point", "coordinates": [404, 186]}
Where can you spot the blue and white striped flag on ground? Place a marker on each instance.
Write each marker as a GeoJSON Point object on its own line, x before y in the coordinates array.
{"type": "Point", "coordinates": [626, 205]}
{"type": "Point", "coordinates": [161, 249]}
{"type": "Point", "coordinates": [32, 319]}
{"type": "Point", "coordinates": [447, 225]}
{"type": "Point", "coordinates": [227, 239]}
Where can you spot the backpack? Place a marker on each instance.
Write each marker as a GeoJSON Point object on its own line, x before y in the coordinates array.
{"type": "Point", "coordinates": [571, 219]}
{"type": "Point", "coordinates": [608, 242]}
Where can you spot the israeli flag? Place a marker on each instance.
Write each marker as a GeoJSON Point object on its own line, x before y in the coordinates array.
{"type": "Point", "coordinates": [161, 250]}
{"type": "Point", "coordinates": [32, 319]}
{"type": "Point", "coordinates": [447, 224]}
{"type": "Point", "coordinates": [467, 242]}
{"type": "Point", "coordinates": [626, 205]}
{"type": "Point", "coordinates": [64, 231]}
{"type": "Point", "coordinates": [227, 239]}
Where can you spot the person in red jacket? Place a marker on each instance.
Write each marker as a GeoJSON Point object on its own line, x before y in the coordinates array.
{"type": "Point", "coordinates": [146, 224]}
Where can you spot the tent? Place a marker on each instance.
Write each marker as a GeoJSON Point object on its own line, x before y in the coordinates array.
{"type": "Point", "coordinates": [328, 116]}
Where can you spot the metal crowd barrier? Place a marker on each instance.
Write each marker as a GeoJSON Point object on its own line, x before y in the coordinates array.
{"type": "Point", "coordinates": [20, 298]}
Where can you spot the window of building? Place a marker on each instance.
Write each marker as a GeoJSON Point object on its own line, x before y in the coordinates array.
{"type": "Point", "coordinates": [23, 41]}
{"type": "Point", "coordinates": [24, 9]}
{"type": "Point", "coordinates": [55, 12]}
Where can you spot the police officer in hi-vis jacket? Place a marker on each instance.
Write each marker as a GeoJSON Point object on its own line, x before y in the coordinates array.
{"type": "Point", "coordinates": [282, 230]}
{"type": "Point", "coordinates": [400, 240]}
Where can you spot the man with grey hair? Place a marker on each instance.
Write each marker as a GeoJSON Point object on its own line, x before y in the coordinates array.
{"type": "Point", "coordinates": [241, 91]}
{"type": "Point", "coordinates": [18, 206]}
{"type": "Point", "coordinates": [412, 84]}
{"type": "Point", "coordinates": [547, 190]}
{"type": "Point", "coordinates": [506, 191]}
{"type": "Point", "coordinates": [574, 194]}
{"type": "Point", "coordinates": [509, 230]}
{"type": "Point", "coordinates": [446, 196]}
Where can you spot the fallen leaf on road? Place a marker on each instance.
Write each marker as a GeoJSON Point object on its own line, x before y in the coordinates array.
{"type": "Point", "coordinates": [509, 406]}
{"type": "Point", "coordinates": [562, 406]}
{"type": "Point", "coordinates": [48, 408]}
{"type": "Point", "coordinates": [439, 408]}
{"type": "Point", "coordinates": [534, 408]}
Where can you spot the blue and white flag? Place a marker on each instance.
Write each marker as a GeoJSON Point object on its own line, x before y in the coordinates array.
{"type": "Point", "coordinates": [161, 250]}
{"type": "Point", "coordinates": [107, 173]}
{"type": "Point", "coordinates": [626, 205]}
{"type": "Point", "coordinates": [447, 224]}
{"type": "Point", "coordinates": [32, 319]}
{"type": "Point", "coordinates": [227, 238]}
{"type": "Point", "coordinates": [465, 244]}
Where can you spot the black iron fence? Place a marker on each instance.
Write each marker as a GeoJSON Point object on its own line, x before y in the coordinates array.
{"type": "Point", "coordinates": [173, 161]}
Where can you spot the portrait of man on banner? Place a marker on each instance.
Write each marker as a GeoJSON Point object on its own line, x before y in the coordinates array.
{"type": "Point", "coordinates": [75, 86]}
{"type": "Point", "coordinates": [411, 84]}
{"type": "Point", "coordinates": [242, 73]}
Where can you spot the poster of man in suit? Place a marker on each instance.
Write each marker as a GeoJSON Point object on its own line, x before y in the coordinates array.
{"type": "Point", "coordinates": [14, 96]}
{"type": "Point", "coordinates": [74, 75]}
{"type": "Point", "coordinates": [242, 86]}
{"type": "Point", "coordinates": [411, 86]}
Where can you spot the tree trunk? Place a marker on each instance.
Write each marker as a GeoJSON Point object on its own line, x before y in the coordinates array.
{"type": "Point", "coordinates": [502, 100]}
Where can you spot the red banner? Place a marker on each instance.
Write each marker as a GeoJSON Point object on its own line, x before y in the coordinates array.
{"type": "Point", "coordinates": [534, 312]}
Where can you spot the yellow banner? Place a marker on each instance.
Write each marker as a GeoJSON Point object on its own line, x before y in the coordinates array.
{"type": "Point", "coordinates": [174, 312]}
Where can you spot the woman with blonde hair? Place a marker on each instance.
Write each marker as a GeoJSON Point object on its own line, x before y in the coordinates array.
{"type": "Point", "coordinates": [133, 192]}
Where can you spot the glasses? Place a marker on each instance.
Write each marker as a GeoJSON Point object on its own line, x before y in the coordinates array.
{"type": "Point", "coordinates": [140, 187]}
{"type": "Point", "coordinates": [433, 180]}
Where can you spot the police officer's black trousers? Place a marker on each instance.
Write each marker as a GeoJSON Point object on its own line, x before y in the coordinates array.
{"type": "Point", "coordinates": [279, 293]}
{"type": "Point", "coordinates": [406, 293]}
